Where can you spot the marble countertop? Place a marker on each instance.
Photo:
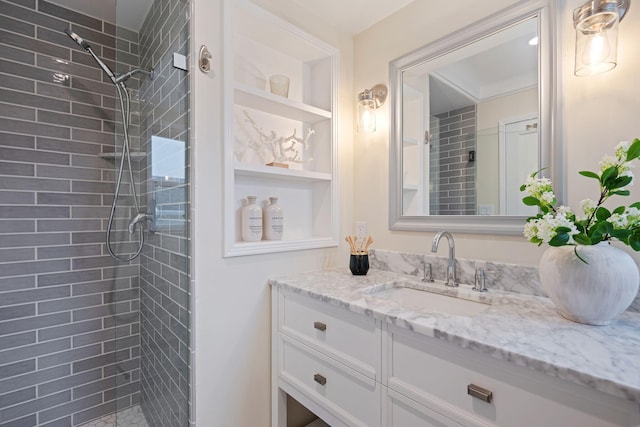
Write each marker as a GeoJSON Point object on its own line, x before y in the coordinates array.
{"type": "Point", "coordinates": [522, 329]}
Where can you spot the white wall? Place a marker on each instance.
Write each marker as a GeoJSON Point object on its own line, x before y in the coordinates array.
{"type": "Point", "coordinates": [231, 300]}
{"type": "Point", "coordinates": [598, 113]}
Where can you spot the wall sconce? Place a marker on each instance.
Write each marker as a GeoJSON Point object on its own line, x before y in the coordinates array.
{"type": "Point", "coordinates": [368, 101]}
{"type": "Point", "coordinates": [596, 24]}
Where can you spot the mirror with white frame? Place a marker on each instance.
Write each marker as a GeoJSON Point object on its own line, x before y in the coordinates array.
{"type": "Point", "coordinates": [473, 114]}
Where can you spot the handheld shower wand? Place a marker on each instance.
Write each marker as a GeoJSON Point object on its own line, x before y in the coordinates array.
{"type": "Point", "coordinates": [125, 107]}
{"type": "Point", "coordinates": [83, 44]}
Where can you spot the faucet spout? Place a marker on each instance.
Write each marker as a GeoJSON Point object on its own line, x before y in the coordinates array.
{"type": "Point", "coordinates": [451, 268]}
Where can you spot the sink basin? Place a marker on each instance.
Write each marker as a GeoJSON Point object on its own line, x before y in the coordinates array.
{"type": "Point", "coordinates": [432, 301]}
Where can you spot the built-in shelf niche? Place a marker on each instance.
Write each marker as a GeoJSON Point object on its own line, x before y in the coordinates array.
{"type": "Point", "coordinates": [257, 45]}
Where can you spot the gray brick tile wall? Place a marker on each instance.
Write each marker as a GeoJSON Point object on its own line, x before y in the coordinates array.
{"type": "Point", "coordinates": [64, 303]}
{"type": "Point", "coordinates": [450, 169]}
{"type": "Point", "coordinates": [57, 328]}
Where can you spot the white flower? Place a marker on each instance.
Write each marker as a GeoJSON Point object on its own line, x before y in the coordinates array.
{"type": "Point", "coordinates": [566, 210]}
{"type": "Point", "coordinates": [544, 229]}
{"type": "Point", "coordinates": [540, 188]}
{"type": "Point", "coordinates": [587, 206]}
{"type": "Point", "coordinates": [531, 229]}
{"type": "Point", "coordinates": [628, 219]}
{"type": "Point", "coordinates": [618, 221]}
{"type": "Point", "coordinates": [548, 197]}
{"type": "Point", "coordinates": [621, 150]}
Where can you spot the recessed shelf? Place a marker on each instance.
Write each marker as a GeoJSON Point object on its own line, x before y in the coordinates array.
{"type": "Point", "coordinates": [306, 191]}
{"type": "Point", "coordinates": [260, 171]}
{"type": "Point", "coordinates": [136, 156]}
{"type": "Point", "coordinates": [269, 246]}
{"type": "Point", "coordinates": [260, 100]}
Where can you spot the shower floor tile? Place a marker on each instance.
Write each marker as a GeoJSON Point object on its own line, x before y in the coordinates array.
{"type": "Point", "coordinates": [130, 417]}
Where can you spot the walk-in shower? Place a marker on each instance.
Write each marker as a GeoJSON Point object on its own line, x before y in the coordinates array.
{"type": "Point", "coordinates": [87, 340]}
{"type": "Point", "coordinates": [125, 109]}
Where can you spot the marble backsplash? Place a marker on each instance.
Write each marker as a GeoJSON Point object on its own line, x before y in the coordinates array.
{"type": "Point", "coordinates": [501, 276]}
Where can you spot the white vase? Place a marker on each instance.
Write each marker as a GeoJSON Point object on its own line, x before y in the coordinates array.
{"type": "Point", "coordinates": [593, 293]}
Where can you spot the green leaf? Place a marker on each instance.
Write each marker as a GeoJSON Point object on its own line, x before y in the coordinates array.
{"type": "Point", "coordinates": [608, 176]}
{"type": "Point", "coordinates": [605, 227]}
{"type": "Point", "coordinates": [634, 242]}
{"type": "Point", "coordinates": [634, 150]}
{"type": "Point", "coordinates": [559, 239]}
{"type": "Point", "coordinates": [582, 239]}
{"type": "Point", "coordinates": [602, 213]}
{"type": "Point", "coordinates": [531, 201]}
{"type": "Point", "coordinates": [596, 235]}
{"type": "Point", "coordinates": [589, 174]}
{"type": "Point", "coordinates": [522, 187]}
{"type": "Point", "coordinates": [619, 182]}
{"type": "Point", "coordinates": [619, 210]}
{"type": "Point", "coordinates": [533, 175]}
{"type": "Point", "coordinates": [620, 193]}
{"type": "Point", "coordinates": [635, 205]}
{"type": "Point", "coordinates": [622, 235]}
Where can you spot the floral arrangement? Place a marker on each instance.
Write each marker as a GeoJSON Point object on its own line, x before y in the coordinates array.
{"type": "Point", "coordinates": [559, 226]}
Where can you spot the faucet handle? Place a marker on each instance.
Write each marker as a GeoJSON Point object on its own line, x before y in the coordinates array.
{"type": "Point", "coordinates": [479, 284]}
{"type": "Point", "coordinates": [428, 272]}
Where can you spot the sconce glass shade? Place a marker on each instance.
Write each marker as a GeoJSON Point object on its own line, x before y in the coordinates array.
{"type": "Point", "coordinates": [596, 25]}
{"type": "Point", "coordinates": [366, 112]}
{"type": "Point", "coordinates": [368, 101]}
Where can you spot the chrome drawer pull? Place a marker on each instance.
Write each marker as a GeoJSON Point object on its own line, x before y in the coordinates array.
{"type": "Point", "coordinates": [320, 326]}
{"type": "Point", "coordinates": [479, 393]}
{"type": "Point", "coordinates": [319, 379]}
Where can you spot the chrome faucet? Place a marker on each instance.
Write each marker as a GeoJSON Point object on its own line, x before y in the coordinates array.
{"type": "Point", "coordinates": [451, 269]}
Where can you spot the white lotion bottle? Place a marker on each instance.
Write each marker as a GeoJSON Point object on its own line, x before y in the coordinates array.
{"type": "Point", "coordinates": [273, 220]}
{"type": "Point", "coordinates": [251, 221]}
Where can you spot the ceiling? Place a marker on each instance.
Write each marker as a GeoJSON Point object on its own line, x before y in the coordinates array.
{"type": "Point", "coordinates": [130, 13]}
{"type": "Point", "coordinates": [350, 16]}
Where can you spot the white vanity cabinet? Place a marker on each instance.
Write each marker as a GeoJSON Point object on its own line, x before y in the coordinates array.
{"type": "Point", "coordinates": [428, 382]}
{"type": "Point", "coordinates": [353, 370]}
{"type": "Point", "coordinates": [278, 144]}
{"type": "Point", "coordinates": [326, 358]}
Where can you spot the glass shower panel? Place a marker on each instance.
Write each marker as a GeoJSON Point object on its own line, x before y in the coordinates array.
{"type": "Point", "coordinates": [160, 388]}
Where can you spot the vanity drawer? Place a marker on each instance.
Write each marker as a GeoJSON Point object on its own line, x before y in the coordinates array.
{"type": "Point", "coordinates": [437, 375]}
{"type": "Point", "coordinates": [352, 339]}
{"type": "Point", "coordinates": [349, 396]}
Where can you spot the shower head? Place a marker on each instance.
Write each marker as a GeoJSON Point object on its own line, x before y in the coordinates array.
{"type": "Point", "coordinates": [76, 38]}
{"type": "Point", "coordinates": [80, 41]}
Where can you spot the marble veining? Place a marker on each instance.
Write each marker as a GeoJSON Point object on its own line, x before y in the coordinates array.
{"type": "Point", "coordinates": [499, 276]}
{"type": "Point", "coordinates": [522, 329]}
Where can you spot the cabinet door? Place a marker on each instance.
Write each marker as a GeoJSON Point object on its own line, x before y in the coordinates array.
{"type": "Point", "coordinates": [404, 412]}
{"type": "Point", "coordinates": [353, 340]}
{"type": "Point", "coordinates": [345, 394]}
{"type": "Point", "coordinates": [437, 374]}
